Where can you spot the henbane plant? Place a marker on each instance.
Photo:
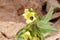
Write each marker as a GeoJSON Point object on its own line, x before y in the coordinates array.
{"type": "Point", "coordinates": [35, 26]}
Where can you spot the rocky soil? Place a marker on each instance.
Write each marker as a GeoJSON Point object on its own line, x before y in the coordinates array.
{"type": "Point", "coordinates": [11, 19]}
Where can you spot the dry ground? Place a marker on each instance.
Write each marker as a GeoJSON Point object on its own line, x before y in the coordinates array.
{"type": "Point", "coordinates": [11, 19]}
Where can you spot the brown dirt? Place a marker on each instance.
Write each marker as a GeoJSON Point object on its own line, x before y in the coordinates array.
{"type": "Point", "coordinates": [11, 19]}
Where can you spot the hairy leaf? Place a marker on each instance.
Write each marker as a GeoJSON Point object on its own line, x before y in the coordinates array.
{"type": "Point", "coordinates": [44, 28]}
{"type": "Point", "coordinates": [49, 15]}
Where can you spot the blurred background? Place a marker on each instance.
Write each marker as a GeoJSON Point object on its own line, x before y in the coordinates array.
{"type": "Point", "coordinates": [11, 19]}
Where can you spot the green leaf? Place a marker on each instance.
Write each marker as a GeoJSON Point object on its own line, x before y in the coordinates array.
{"type": "Point", "coordinates": [42, 23]}
{"type": "Point", "coordinates": [34, 31]}
{"type": "Point", "coordinates": [49, 14]}
{"type": "Point", "coordinates": [45, 28]}
{"type": "Point", "coordinates": [22, 31]}
{"type": "Point", "coordinates": [19, 38]}
{"type": "Point", "coordinates": [19, 33]}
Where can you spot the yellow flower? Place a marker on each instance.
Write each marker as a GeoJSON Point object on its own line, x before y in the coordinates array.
{"type": "Point", "coordinates": [29, 15]}
{"type": "Point", "coordinates": [35, 38]}
{"type": "Point", "coordinates": [26, 35]}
